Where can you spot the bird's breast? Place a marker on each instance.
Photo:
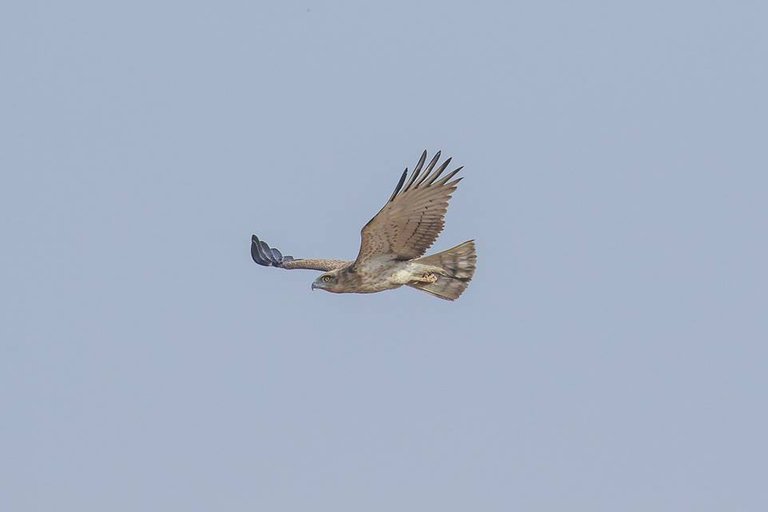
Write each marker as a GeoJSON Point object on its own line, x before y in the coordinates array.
{"type": "Point", "coordinates": [381, 275]}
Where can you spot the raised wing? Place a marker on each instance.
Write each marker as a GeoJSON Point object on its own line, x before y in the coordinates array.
{"type": "Point", "coordinates": [268, 256]}
{"type": "Point", "coordinates": [414, 215]}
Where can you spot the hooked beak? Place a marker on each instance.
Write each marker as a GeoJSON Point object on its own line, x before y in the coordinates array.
{"type": "Point", "coordinates": [314, 286]}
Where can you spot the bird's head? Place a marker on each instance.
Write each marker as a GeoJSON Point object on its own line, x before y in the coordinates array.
{"type": "Point", "coordinates": [329, 282]}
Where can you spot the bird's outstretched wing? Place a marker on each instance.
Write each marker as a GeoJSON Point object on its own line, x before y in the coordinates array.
{"type": "Point", "coordinates": [268, 256]}
{"type": "Point", "coordinates": [414, 215]}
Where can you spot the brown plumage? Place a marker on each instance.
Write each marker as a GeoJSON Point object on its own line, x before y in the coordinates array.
{"type": "Point", "coordinates": [394, 241]}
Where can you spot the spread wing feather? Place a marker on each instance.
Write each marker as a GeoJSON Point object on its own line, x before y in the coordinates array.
{"type": "Point", "coordinates": [413, 217]}
{"type": "Point", "coordinates": [268, 256]}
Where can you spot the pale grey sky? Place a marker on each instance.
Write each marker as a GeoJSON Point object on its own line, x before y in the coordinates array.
{"type": "Point", "coordinates": [609, 355]}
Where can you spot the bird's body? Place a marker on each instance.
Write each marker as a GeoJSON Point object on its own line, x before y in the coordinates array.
{"type": "Point", "coordinates": [379, 275]}
{"type": "Point", "coordinates": [393, 244]}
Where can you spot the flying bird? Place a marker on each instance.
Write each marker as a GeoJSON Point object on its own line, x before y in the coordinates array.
{"type": "Point", "coordinates": [393, 243]}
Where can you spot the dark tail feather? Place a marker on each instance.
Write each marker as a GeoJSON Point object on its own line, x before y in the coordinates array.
{"type": "Point", "coordinates": [458, 264]}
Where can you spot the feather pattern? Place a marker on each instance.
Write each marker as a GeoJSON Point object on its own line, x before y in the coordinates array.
{"type": "Point", "coordinates": [410, 222]}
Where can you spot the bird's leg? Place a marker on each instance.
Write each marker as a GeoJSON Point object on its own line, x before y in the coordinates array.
{"type": "Point", "coordinates": [427, 277]}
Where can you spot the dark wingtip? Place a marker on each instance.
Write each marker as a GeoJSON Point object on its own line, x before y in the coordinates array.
{"type": "Point", "coordinates": [399, 184]}
{"type": "Point", "coordinates": [255, 251]}
{"type": "Point", "coordinates": [265, 255]}
{"type": "Point", "coordinates": [422, 159]}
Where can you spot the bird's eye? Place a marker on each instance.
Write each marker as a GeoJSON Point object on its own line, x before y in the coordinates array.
{"type": "Point", "coordinates": [326, 279]}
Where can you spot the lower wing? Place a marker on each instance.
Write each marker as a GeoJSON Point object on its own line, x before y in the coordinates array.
{"type": "Point", "coordinates": [268, 256]}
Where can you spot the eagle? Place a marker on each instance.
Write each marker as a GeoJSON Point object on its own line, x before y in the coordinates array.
{"type": "Point", "coordinates": [394, 241]}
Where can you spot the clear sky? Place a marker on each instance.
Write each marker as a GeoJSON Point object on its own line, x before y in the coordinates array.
{"type": "Point", "coordinates": [610, 354]}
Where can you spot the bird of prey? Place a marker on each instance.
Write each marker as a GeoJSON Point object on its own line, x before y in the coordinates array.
{"type": "Point", "coordinates": [393, 243]}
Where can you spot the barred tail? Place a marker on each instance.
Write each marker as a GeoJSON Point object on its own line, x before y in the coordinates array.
{"type": "Point", "coordinates": [458, 265]}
